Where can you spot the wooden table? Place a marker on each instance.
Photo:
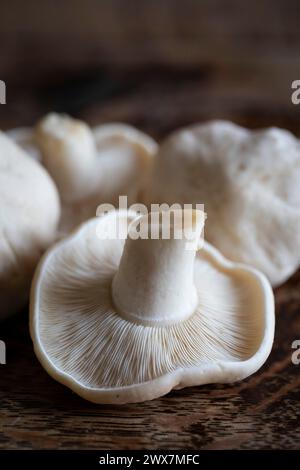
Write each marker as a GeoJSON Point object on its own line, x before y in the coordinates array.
{"type": "Point", "coordinates": [218, 67]}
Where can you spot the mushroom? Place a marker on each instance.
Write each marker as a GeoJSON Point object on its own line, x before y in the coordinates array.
{"type": "Point", "coordinates": [249, 183]}
{"type": "Point", "coordinates": [121, 321]}
{"type": "Point", "coordinates": [29, 214]}
{"type": "Point", "coordinates": [24, 138]}
{"type": "Point", "coordinates": [90, 166]}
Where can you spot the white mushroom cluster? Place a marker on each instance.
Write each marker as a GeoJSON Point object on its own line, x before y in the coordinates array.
{"type": "Point", "coordinates": [122, 319]}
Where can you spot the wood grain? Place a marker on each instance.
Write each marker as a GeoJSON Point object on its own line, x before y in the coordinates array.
{"type": "Point", "coordinates": [158, 70]}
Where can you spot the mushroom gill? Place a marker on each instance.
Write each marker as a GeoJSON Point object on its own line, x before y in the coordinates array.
{"type": "Point", "coordinates": [85, 338]}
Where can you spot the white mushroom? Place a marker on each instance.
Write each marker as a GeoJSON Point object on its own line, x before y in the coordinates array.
{"type": "Point", "coordinates": [90, 166]}
{"type": "Point", "coordinates": [249, 183]}
{"type": "Point", "coordinates": [127, 323]}
{"type": "Point", "coordinates": [29, 214]}
{"type": "Point", "coordinates": [24, 138]}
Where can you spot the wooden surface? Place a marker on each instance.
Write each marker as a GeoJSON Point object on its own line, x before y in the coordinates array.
{"type": "Point", "coordinates": [181, 67]}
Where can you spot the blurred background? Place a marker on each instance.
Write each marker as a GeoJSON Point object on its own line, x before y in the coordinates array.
{"type": "Point", "coordinates": [156, 64]}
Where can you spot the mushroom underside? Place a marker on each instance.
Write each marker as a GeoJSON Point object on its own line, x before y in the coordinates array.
{"type": "Point", "coordinates": [82, 335]}
{"type": "Point", "coordinates": [121, 167]}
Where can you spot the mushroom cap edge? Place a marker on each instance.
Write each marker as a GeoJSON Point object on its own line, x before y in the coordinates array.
{"type": "Point", "coordinates": [220, 372]}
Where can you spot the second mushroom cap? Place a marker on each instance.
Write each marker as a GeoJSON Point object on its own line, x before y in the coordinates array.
{"type": "Point", "coordinates": [249, 184]}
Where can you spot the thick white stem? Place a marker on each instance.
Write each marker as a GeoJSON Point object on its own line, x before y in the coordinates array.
{"type": "Point", "coordinates": [69, 150]}
{"type": "Point", "coordinates": [155, 280]}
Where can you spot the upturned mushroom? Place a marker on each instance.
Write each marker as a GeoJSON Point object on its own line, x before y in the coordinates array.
{"type": "Point", "coordinates": [249, 183]}
{"type": "Point", "coordinates": [89, 166]}
{"type": "Point", "coordinates": [29, 214]}
{"type": "Point", "coordinates": [121, 321]}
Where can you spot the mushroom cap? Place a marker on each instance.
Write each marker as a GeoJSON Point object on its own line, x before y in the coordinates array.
{"type": "Point", "coordinates": [24, 138]}
{"type": "Point", "coordinates": [249, 184]}
{"type": "Point", "coordinates": [29, 214]}
{"type": "Point", "coordinates": [84, 343]}
{"type": "Point", "coordinates": [121, 165]}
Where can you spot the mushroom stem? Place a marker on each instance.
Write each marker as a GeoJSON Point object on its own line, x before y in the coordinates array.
{"type": "Point", "coordinates": [69, 150]}
{"type": "Point", "coordinates": [155, 280]}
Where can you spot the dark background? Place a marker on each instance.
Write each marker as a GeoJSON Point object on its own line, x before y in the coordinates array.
{"type": "Point", "coordinates": [156, 64]}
